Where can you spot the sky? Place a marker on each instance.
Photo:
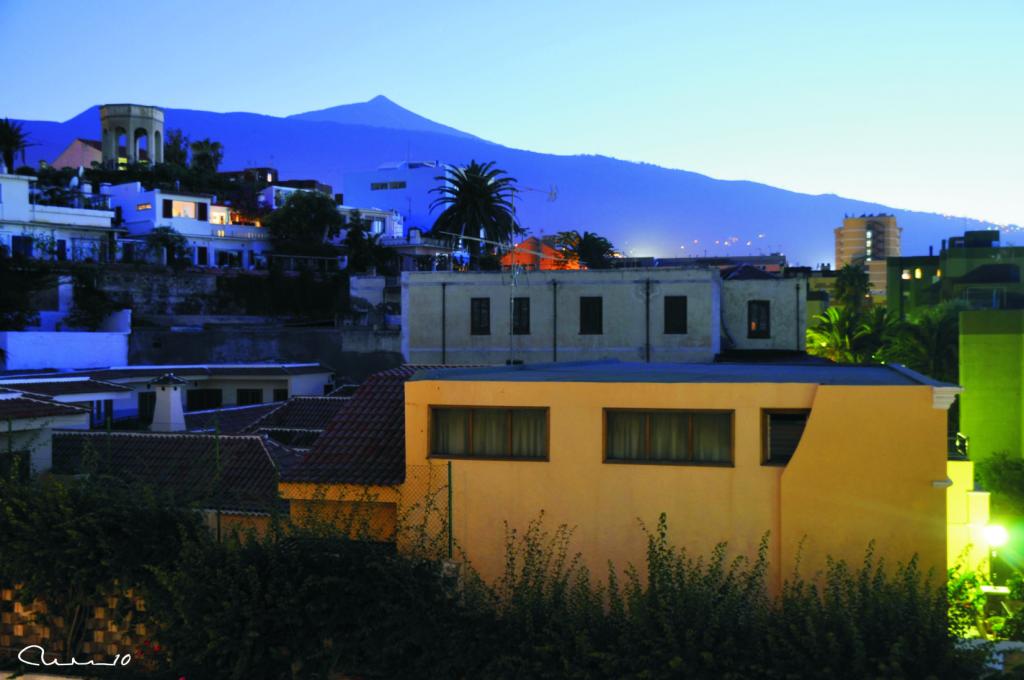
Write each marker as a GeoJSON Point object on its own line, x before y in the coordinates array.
{"type": "Point", "coordinates": [917, 105]}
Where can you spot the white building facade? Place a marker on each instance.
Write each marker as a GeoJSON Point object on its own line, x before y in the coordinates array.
{"type": "Point", "coordinates": [65, 224]}
{"type": "Point", "coordinates": [213, 240]}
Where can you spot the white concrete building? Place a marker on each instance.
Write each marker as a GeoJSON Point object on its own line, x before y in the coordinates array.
{"type": "Point", "coordinates": [212, 238]}
{"type": "Point", "coordinates": [654, 315]}
{"type": "Point", "coordinates": [28, 421]}
{"type": "Point", "coordinates": [72, 224]}
{"type": "Point", "coordinates": [403, 187]}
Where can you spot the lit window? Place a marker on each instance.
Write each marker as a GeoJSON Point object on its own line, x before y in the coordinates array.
{"type": "Point", "coordinates": [918, 273]}
{"type": "Point", "coordinates": [186, 209]}
{"type": "Point", "coordinates": [489, 432]}
{"type": "Point", "coordinates": [668, 436]}
{"type": "Point", "coordinates": [869, 234]}
{"type": "Point", "coordinates": [759, 319]}
{"type": "Point", "coordinates": [938, 273]}
{"type": "Point", "coordinates": [905, 275]}
{"type": "Point", "coordinates": [144, 206]}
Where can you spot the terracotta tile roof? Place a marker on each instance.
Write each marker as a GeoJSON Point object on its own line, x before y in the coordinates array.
{"type": "Point", "coordinates": [300, 413]}
{"type": "Point", "coordinates": [16, 405]}
{"type": "Point", "coordinates": [60, 387]}
{"type": "Point", "coordinates": [230, 420]}
{"type": "Point", "coordinates": [184, 465]}
{"type": "Point", "coordinates": [365, 441]}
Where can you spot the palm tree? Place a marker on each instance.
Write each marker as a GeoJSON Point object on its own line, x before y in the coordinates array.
{"type": "Point", "coordinates": [207, 155]}
{"type": "Point", "coordinates": [13, 141]}
{"type": "Point", "coordinates": [834, 335]}
{"type": "Point", "coordinates": [929, 342]}
{"type": "Point", "coordinates": [852, 286]}
{"type": "Point", "coordinates": [476, 202]}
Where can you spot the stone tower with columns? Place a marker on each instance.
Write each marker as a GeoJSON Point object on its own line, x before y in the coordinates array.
{"type": "Point", "coordinates": [132, 134]}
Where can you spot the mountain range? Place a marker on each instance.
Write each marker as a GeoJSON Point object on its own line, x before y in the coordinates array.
{"type": "Point", "coordinates": [643, 209]}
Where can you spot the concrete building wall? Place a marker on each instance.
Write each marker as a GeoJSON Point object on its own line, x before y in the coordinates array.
{"type": "Point", "coordinates": [408, 191]}
{"type": "Point", "coordinates": [788, 316]}
{"type": "Point", "coordinates": [65, 350]}
{"type": "Point", "coordinates": [846, 484]}
{"type": "Point", "coordinates": [436, 316]}
{"type": "Point", "coordinates": [992, 375]}
{"type": "Point", "coordinates": [868, 240]}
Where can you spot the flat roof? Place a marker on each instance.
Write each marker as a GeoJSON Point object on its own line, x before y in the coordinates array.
{"type": "Point", "coordinates": [635, 372]}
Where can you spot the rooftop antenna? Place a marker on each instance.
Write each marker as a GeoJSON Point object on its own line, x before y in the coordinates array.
{"type": "Point", "coordinates": [516, 270]}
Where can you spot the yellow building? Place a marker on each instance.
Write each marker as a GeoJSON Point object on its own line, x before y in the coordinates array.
{"type": "Point", "coordinates": [825, 458]}
{"type": "Point", "coordinates": [868, 240]}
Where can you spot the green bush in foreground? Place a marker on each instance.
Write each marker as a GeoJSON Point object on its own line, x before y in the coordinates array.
{"type": "Point", "coordinates": [304, 602]}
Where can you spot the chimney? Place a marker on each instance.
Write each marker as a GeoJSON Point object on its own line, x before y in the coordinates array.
{"type": "Point", "coordinates": [930, 249]}
{"type": "Point", "coordinates": [168, 415]}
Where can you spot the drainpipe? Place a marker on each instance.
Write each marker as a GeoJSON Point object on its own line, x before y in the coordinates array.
{"type": "Point", "coordinates": [444, 337]}
{"type": "Point", "coordinates": [647, 320]}
{"type": "Point", "coordinates": [798, 318]}
{"type": "Point", "coordinates": [554, 320]}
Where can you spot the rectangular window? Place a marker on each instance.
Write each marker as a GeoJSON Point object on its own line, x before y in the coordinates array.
{"type": "Point", "coordinates": [675, 314]}
{"type": "Point", "coordinates": [759, 319]}
{"type": "Point", "coordinates": [698, 437]}
{"type": "Point", "coordinates": [781, 434]}
{"type": "Point", "coordinates": [248, 396]}
{"type": "Point", "coordinates": [147, 404]}
{"type": "Point", "coordinates": [203, 399]}
{"type": "Point", "coordinates": [143, 206]}
{"type": "Point", "coordinates": [202, 212]}
{"type": "Point", "coordinates": [184, 209]}
{"type": "Point", "coordinates": [521, 316]}
{"type": "Point", "coordinates": [590, 316]}
{"type": "Point", "coordinates": [280, 394]}
{"type": "Point", "coordinates": [168, 208]}
{"type": "Point", "coordinates": [489, 432]}
{"type": "Point", "coordinates": [378, 186]}
{"type": "Point", "coordinates": [480, 316]}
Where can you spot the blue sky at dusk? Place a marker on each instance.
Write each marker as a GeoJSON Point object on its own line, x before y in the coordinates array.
{"type": "Point", "coordinates": [914, 104]}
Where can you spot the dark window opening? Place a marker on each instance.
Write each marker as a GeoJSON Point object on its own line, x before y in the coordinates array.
{"type": "Point", "coordinates": [248, 396]}
{"type": "Point", "coordinates": [21, 245]}
{"type": "Point", "coordinates": [590, 316]}
{"type": "Point", "coordinates": [280, 394]}
{"type": "Point", "coordinates": [521, 316]}
{"type": "Point", "coordinates": [675, 314]}
{"type": "Point", "coordinates": [203, 399]}
{"type": "Point", "coordinates": [698, 437]}
{"type": "Point", "coordinates": [480, 316]}
{"type": "Point", "coordinates": [759, 319]}
{"type": "Point", "coordinates": [489, 432]}
{"type": "Point", "coordinates": [782, 433]}
{"type": "Point", "coordinates": [168, 209]}
{"type": "Point", "coordinates": [147, 404]}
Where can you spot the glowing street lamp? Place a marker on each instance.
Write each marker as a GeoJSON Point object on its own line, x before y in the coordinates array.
{"type": "Point", "coordinates": [996, 535]}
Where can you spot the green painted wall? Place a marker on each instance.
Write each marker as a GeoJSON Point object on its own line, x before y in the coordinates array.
{"type": "Point", "coordinates": [992, 374]}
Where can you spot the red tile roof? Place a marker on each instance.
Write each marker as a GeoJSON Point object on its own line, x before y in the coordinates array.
{"type": "Point", "coordinates": [15, 405]}
{"type": "Point", "coordinates": [300, 413]}
{"type": "Point", "coordinates": [60, 387]}
{"type": "Point", "coordinates": [365, 441]}
{"type": "Point", "coordinates": [225, 472]}
{"type": "Point", "coordinates": [230, 420]}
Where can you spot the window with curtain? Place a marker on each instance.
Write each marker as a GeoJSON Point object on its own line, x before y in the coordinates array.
{"type": "Point", "coordinates": [782, 433]}
{"type": "Point", "coordinates": [489, 432]}
{"type": "Point", "coordinates": [668, 436]}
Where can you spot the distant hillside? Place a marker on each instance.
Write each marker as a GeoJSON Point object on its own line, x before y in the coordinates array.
{"type": "Point", "coordinates": [379, 112]}
{"type": "Point", "coordinates": [644, 209]}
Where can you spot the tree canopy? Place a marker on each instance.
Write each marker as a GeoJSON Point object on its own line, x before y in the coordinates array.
{"type": "Point", "coordinates": [589, 249]}
{"type": "Point", "coordinates": [206, 155]}
{"type": "Point", "coordinates": [305, 224]}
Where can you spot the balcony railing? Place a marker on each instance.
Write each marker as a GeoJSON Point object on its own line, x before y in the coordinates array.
{"type": "Point", "coordinates": [64, 198]}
